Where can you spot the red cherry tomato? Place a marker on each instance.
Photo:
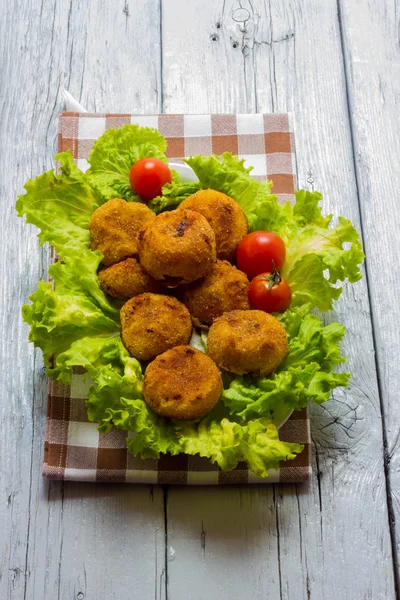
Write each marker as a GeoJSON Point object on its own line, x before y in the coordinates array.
{"type": "Point", "coordinates": [148, 176]}
{"type": "Point", "coordinates": [270, 292]}
{"type": "Point", "coordinates": [259, 252]}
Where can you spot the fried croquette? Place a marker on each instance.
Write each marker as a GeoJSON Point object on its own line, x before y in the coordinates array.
{"type": "Point", "coordinates": [247, 341]}
{"type": "Point", "coordinates": [127, 279]}
{"type": "Point", "coordinates": [182, 383]}
{"type": "Point", "coordinates": [225, 216]}
{"type": "Point", "coordinates": [153, 323]}
{"type": "Point", "coordinates": [114, 229]}
{"type": "Point", "coordinates": [223, 289]}
{"type": "Point", "coordinates": [177, 247]}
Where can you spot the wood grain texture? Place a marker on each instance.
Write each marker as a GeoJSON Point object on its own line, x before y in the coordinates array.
{"type": "Point", "coordinates": [286, 542]}
{"type": "Point", "coordinates": [373, 85]}
{"type": "Point", "coordinates": [63, 541]}
{"type": "Point", "coordinates": [332, 540]}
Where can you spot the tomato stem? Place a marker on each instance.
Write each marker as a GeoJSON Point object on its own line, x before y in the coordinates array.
{"type": "Point", "coordinates": [274, 278]}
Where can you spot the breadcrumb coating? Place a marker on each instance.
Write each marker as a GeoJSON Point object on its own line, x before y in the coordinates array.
{"type": "Point", "coordinates": [225, 216]}
{"type": "Point", "coordinates": [177, 247]}
{"type": "Point", "coordinates": [127, 279]}
{"type": "Point", "coordinates": [182, 383]}
{"type": "Point", "coordinates": [223, 289]}
{"type": "Point", "coordinates": [114, 229]}
{"type": "Point", "coordinates": [247, 341]}
{"type": "Point", "coordinates": [153, 323]}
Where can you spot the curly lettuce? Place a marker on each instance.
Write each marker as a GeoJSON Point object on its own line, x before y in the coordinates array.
{"type": "Point", "coordinates": [76, 324]}
{"type": "Point", "coordinates": [61, 206]}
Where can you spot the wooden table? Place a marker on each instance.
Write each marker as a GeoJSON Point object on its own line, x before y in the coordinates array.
{"type": "Point", "coordinates": [336, 65]}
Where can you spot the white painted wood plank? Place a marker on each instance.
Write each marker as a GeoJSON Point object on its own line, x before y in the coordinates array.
{"type": "Point", "coordinates": [115, 54]}
{"type": "Point", "coordinates": [197, 49]}
{"type": "Point", "coordinates": [223, 543]}
{"type": "Point", "coordinates": [112, 542]}
{"type": "Point", "coordinates": [373, 76]}
{"type": "Point", "coordinates": [75, 541]}
{"type": "Point", "coordinates": [289, 543]}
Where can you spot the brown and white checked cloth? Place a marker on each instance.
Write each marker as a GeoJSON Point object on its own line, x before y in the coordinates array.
{"type": "Point", "coordinates": [265, 141]}
{"type": "Point", "coordinates": [74, 449]}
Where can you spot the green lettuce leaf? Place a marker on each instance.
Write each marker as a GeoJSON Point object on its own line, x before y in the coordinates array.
{"type": "Point", "coordinates": [227, 442]}
{"type": "Point", "coordinates": [262, 449]}
{"type": "Point", "coordinates": [306, 375]}
{"type": "Point", "coordinates": [61, 207]}
{"type": "Point", "coordinates": [173, 194]}
{"type": "Point", "coordinates": [99, 356]}
{"type": "Point", "coordinates": [316, 259]}
{"type": "Point", "coordinates": [113, 155]}
{"type": "Point", "coordinates": [317, 254]}
{"type": "Point", "coordinates": [59, 318]}
{"type": "Point", "coordinates": [76, 309]}
{"type": "Point", "coordinates": [75, 277]}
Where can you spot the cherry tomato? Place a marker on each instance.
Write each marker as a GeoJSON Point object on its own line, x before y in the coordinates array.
{"type": "Point", "coordinates": [270, 292]}
{"type": "Point", "coordinates": [259, 252]}
{"type": "Point", "coordinates": [148, 176]}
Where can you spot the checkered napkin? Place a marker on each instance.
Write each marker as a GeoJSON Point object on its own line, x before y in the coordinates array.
{"type": "Point", "coordinates": [74, 449]}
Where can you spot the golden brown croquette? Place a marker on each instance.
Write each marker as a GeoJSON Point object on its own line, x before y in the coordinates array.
{"type": "Point", "coordinates": [177, 247]}
{"type": "Point", "coordinates": [182, 383]}
{"type": "Point", "coordinates": [223, 289]}
{"type": "Point", "coordinates": [114, 229]}
{"type": "Point", "coordinates": [225, 216]}
{"type": "Point", "coordinates": [127, 279]}
{"type": "Point", "coordinates": [247, 341]}
{"type": "Point", "coordinates": [152, 323]}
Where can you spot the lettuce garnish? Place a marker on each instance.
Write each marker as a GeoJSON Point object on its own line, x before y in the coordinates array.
{"type": "Point", "coordinates": [76, 324]}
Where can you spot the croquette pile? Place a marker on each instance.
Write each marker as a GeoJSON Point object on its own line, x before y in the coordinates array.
{"type": "Point", "coordinates": [174, 271]}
